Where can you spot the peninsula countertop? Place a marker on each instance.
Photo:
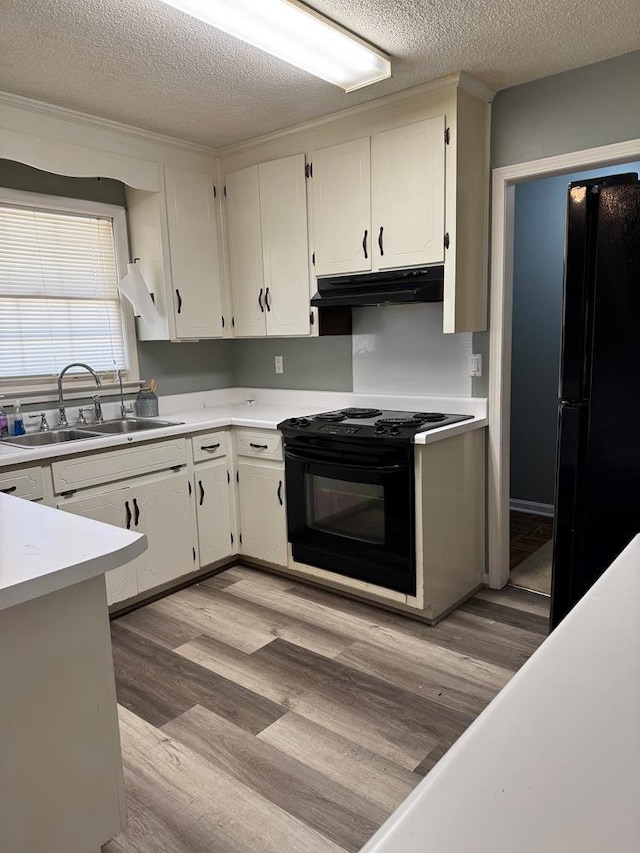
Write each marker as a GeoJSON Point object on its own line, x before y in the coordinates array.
{"type": "Point", "coordinates": [553, 763]}
{"type": "Point", "coordinates": [43, 550]}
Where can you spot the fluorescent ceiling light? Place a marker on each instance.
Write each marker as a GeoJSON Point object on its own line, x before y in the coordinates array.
{"type": "Point", "coordinates": [298, 35]}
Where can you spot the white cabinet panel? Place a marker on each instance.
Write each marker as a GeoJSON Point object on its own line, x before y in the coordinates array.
{"type": "Point", "coordinates": [285, 250]}
{"type": "Point", "coordinates": [265, 444]}
{"type": "Point", "coordinates": [23, 483]}
{"type": "Point", "coordinates": [245, 252]}
{"type": "Point", "coordinates": [211, 445]}
{"type": "Point", "coordinates": [262, 512]}
{"type": "Point", "coordinates": [113, 507]}
{"type": "Point", "coordinates": [212, 491]}
{"type": "Point", "coordinates": [342, 208]}
{"type": "Point", "coordinates": [162, 510]}
{"type": "Point", "coordinates": [193, 244]}
{"type": "Point", "coordinates": [407, 177]}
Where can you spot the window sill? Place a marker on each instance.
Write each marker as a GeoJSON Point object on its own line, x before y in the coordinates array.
{"type": "Point", "coordinates": [48, 393]}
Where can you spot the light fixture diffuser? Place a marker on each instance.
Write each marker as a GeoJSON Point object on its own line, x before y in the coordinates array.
{"type": "Point", "coordinates": [296, 34]}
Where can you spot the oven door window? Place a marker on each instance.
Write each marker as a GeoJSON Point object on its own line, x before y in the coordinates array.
{"type": "Point", "coordinates": [344, 508]}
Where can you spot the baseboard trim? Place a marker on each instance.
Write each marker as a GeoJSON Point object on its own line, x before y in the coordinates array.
{"type": "Point", "coordinates": [533, 507]}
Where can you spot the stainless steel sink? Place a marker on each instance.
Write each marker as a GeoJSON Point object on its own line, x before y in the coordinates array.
{"type": "Point", "coordinates": [129, 425]}
{"type": "Point", "coordinates": [57, 436]}
{"type": "Point", "coordinates": [42, 439]}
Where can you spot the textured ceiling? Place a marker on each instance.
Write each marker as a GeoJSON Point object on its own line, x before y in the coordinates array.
{"type": "Point", "coordinates": [146, 64]}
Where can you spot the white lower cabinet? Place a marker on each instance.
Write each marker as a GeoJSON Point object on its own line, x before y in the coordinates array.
{"type": "Point", "coordinates": [158, 507]}
{"type": "Point", "coordinates": [212, 491]}
{"type": "Point", "coordinates": [110, 508]}
{"type": "Point", "coordinates": [263, 521]}
{"type": "Point", "coordinates": [162, 510]}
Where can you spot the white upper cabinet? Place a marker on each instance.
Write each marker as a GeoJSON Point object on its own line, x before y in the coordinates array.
{"type": "Point", "coordinates": [378, 202]}
{"type": "Point", "coordinates": [268, 248]}
{"type": "Point", "coordinates": [407, 193]}
{"type": "Point", "coordinates": [285, 249]}
{"type": "Point", "coordinates": [342, 208]}
{"type": "Point", "coordinates": [245, 252]}
{"type": "Point", "coordinates": [193, 247]}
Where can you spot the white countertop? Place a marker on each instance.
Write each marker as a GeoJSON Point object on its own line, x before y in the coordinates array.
{"type": "Point", "coordinates": [43, 550]}
{"type": "Point", "coordinates": [553, 763]}
{"type": "Point", "coordinates": [230, 407]}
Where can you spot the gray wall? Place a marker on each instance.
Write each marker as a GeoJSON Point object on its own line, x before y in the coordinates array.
{"type": "Point", "coordinates": [17, 176]}
{"type": "Point", "coordinates": [318, 364]}
{"type": "Point", "coordinates": [595, 105]}
{"type": "Point", "coordinates": [537, 318]}
{"type": "Point", "coordinates": [185, 367]}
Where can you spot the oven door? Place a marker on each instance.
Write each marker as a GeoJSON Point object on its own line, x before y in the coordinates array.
{"type": "Point", "coordinates": [353, 513]}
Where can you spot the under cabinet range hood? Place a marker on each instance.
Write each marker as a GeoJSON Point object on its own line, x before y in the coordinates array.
{"type": "Point", "coordinates": [396, 287]}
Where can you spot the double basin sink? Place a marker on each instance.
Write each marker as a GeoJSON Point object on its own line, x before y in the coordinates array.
{"type": "Point", "coordinates": [78, 433]}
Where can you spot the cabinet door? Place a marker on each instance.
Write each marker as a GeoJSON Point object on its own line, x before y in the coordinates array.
{"type": "Point", "coordinates": [113, 507]}
{"type": "Point", "coordinates": [262, 512]}
{"type": "Point", "coordinates": [407, 185]}
{"type": "Point", "coordinates": [245, 252]}
{"type": "Point", "coordinates": [213, 494]}
{"type": "Point", "coordinates": [342, 208]}
{"type": "Point", "coordinates": [285, 249]}
{"type": "Point", "coordinates": [162, 509]}
{"type": "Point", "coordinates": [193, 246]}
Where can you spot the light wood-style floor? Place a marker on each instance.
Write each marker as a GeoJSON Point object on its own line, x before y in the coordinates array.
{"type": "Point", "coordinates": [260, 715]}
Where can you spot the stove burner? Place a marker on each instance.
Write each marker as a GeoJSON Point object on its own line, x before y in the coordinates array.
{"type": "Point", "coordinates": [333, 417]}
{"type": "Point", "coordinates": [361, 413]}
{"type": "Point", "coordinates": [343, 414]}
{"type": "Point", "coordinates": [429, 416]}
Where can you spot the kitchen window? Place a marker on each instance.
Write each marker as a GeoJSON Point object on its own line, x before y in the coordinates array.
{"type": "Point", "coordinates": [60, 263]}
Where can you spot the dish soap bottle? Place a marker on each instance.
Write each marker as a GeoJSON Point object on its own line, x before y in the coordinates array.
{"type": "Point", "coordinates": [4, 423]}
{"type": "Point", "coordinates": [18, 420]}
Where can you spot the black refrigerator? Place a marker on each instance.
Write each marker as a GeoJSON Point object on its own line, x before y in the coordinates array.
{"type": "Point", "coordinates": [597, 502]}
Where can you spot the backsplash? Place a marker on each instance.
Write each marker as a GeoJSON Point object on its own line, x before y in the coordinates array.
{"type": "Point", "coordinates": [402, 349]}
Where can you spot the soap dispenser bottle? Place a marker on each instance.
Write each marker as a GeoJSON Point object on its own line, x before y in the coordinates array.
{"type": "Point", "coordinates": [4, 422]}
{"type": "Point", "coordinates": [18, 420]}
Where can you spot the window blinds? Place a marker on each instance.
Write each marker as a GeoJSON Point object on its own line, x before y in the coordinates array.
{"type": "Point", "coordinates": [59, 299]}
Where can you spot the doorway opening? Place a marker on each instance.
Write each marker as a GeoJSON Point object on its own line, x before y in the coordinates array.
{"type": "Point", "coordinates": [615, 158]}
{"type": "Point", "coordinates": [538, 272]}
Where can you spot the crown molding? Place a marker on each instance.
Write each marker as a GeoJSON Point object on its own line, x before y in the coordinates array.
{"type": "Point", "coordinates": [460, 80]}
{"type": "Point", "coordinates": [97, 123]}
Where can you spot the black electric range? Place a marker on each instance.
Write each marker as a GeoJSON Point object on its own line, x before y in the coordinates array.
{"type": "Point", "coordinates": [350, 492]}
{"type": "Point", "coordinates": [360, 423]}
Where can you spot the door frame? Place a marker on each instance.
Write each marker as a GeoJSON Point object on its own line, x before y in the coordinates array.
{"type": "Point", "coordinates": [504, 180]}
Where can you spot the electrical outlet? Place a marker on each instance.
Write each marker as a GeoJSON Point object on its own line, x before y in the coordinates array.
{"type": "Point", "coordinates": [279, 364]}
{"type": "Point", "coordinates": [475, 364]}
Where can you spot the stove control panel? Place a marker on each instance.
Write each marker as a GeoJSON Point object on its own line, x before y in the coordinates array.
{"type": "Point", "coordinates": [338, 429]}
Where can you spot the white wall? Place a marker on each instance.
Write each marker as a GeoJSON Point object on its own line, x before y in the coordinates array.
{"type": "Point", "coordinates": [402, 349]}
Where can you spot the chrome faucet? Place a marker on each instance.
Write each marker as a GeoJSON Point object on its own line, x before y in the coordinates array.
{"type": "Point", "coordinates": [124, 410]}
{"type": "Point", "coordinates": [61, 409]}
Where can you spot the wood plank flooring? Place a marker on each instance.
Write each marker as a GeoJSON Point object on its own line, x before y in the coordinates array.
{"type": "Point", "coordinates": [258, 714]}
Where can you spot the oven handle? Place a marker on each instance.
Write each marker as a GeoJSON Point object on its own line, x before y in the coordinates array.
{"type": "Point", "coordinates": [383, 468]}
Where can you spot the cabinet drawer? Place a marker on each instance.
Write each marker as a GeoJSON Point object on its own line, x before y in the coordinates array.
{"type": "Point", "coordinates": [25, 483]}
{"type": "Point", "coordinates": [263, 445]}
{"type": "Point", "coordinates": [97, 468]}
{"type": "Point", "coordinates": [212, 445]}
